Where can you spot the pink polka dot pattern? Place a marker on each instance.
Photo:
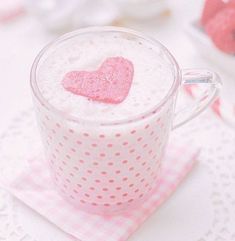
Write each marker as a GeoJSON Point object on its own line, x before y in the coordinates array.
{"type": "Point", "coordinates": [125, 143]}
{"type": "Point", "coordinates": [105, 169]}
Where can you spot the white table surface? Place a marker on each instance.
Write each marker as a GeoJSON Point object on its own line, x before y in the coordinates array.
{"type": "Point", "coordinates": [202, 209]}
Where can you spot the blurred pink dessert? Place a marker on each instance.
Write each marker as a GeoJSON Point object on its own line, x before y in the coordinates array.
{"type": "Point", "coordinates": [210, 9]}
{"type": "Point", "coordinates": [218, 20]}
{"type": "Point", "coordinates": [221, 29]}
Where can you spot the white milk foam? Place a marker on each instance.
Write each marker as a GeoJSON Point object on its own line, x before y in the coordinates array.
{"type": "Point", "coordinates": [151, 83]}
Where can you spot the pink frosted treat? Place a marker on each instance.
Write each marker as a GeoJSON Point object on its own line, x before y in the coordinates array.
{"type": "Point", "coordinates": [110, 83]}
{"type": "Point", "coordinates": [221, 29]}
{"type": "Point", "coordinates": [211, 8]}
{"type": "Point", "coordinates": [231, 4]}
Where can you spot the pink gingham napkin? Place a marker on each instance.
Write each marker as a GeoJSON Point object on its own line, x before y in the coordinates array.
{"type": "Point", "coordinates": [35, 189]}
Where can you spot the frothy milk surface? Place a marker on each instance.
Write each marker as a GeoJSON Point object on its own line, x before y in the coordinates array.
{"type": "Point", "coordinates": [151, 82]}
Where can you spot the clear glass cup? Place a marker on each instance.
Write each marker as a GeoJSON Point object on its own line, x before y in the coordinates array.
{"type": "Point", "coordinates": [107, 167]}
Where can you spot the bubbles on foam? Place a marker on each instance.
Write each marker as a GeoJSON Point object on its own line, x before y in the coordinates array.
{"type": "Point", "coordinates": [151, 82]}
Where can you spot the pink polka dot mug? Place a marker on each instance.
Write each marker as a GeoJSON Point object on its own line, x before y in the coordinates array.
{"type": "Point", "coordinates": [110, 166]}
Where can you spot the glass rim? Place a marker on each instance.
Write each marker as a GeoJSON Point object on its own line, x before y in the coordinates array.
{"type": "Point", "coordinates": [37, 93]}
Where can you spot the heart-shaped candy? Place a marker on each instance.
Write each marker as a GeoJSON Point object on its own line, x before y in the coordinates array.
{"type": "Point", "coordinates": [109, 84]}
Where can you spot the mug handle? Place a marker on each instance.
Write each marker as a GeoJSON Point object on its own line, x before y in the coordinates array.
{"type": "Point", "coordinates": [202, 77]}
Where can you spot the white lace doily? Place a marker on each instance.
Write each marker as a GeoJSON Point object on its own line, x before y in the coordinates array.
{"type": "Point", "coordinates": [203, 209]}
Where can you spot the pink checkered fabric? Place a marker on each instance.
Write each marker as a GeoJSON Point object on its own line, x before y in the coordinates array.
{"type": "Point", "coordinates": [34, 188]}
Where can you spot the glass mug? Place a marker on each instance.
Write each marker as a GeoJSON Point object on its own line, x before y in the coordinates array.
{"type": "Point", "coordinates": [109, 167]}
